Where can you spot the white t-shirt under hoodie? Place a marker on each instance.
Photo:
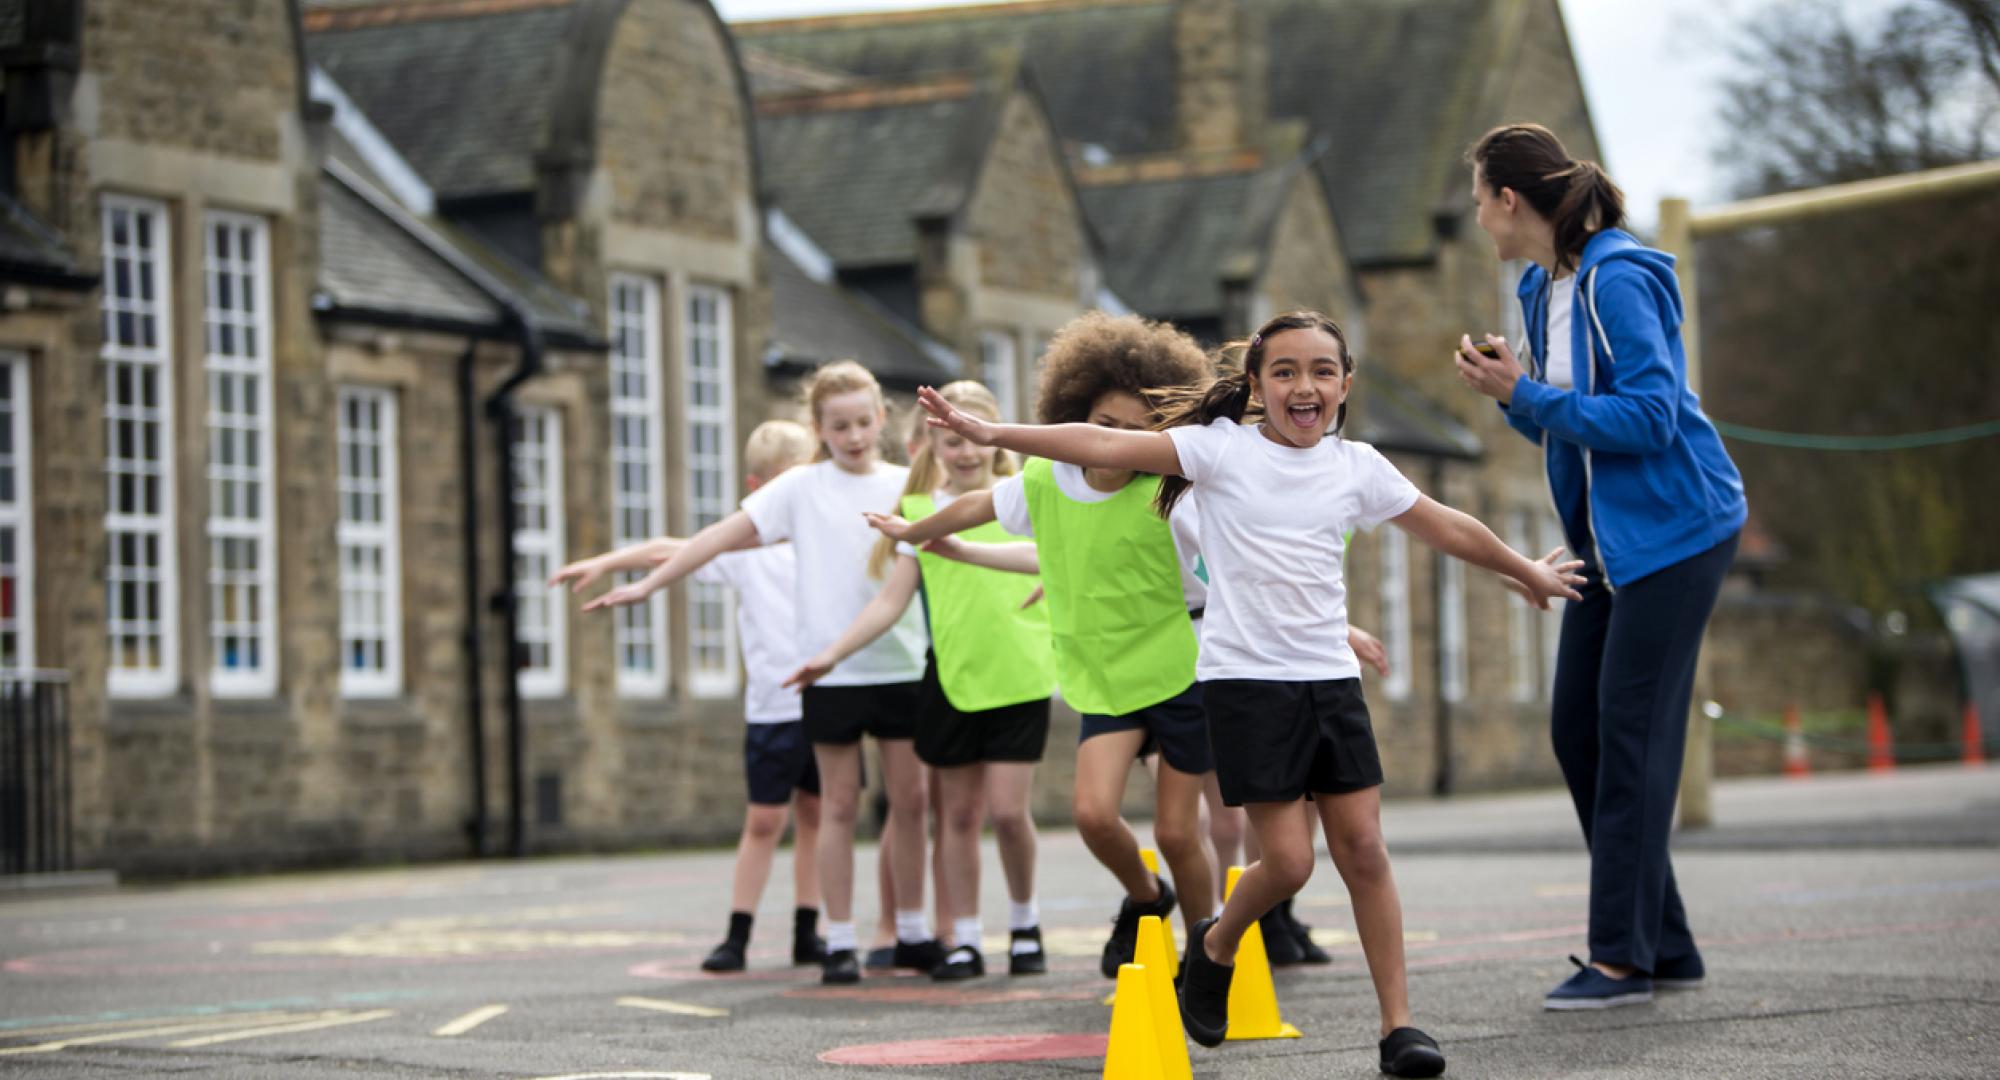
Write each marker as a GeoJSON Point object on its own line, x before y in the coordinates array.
{"type": "Point", "coordinates": [1273, 519]}
{"type": "Point", "coordinates": [766, 624]}
{"type": "Point", "coordinates": [818, 508]}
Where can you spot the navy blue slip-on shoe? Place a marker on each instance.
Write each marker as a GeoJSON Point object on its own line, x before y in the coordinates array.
{"type": "Point", "coordinates": [1409, 1052]}
{"type": "Point", "coordinates": [1685, 973]}
{"type": "Point", "coordinates": [881, 957]}
{"type": "Point", "coordinates": [1590, 988]}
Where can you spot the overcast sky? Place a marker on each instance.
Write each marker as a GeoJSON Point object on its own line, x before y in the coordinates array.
{"type": "Point", "coordinates": [1649, 68]}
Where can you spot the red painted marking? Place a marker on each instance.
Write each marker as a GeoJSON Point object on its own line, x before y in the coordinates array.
{"type": "Point", "coordinates": [685, 970]}
{"type": "Point", "coordinates": [934, 995]}
{"type": "Point", "coordinates": [972, 1050]}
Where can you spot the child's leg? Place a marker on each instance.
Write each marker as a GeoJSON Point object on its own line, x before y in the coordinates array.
{"type": "Point", "coordinates": [1007, 786]}
{"type": "Point", "coordinates": [962, 796]}
{"type": "Point", "coordinates": [840, 805]}
{"type": "Point", "coordinates": [903, 776]}
{"type": "Point", "coordinates": [1225, 830]}
{"type": "Point", "coordinates": [763, 826]}
{"type": "Point", "coordinates": [944, 903]}
{"type": "Point", "coordinates": [1284, 834]}
{"type": "Point", "coordinates": [805, 850]}
{"type": "Point", "coordinates": [885, 885]}
{"type": "Point", "coordinates": [1177, 829]}
{"type": "Point", "coordinates": [1102, 763]}
{"type": "Point", "coordinates": [1354, 832]}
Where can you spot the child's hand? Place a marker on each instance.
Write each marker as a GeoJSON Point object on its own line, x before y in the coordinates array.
{"type": "Point", "coordinates": [1033, 599]}
{"type": "Point", "coordinates": [945, 415]}
{"type": "Point", "coordinates": [1549, 578]}
{"type": "Point", "coordinates": [579, 575]}
{"type": "Point", "coordinates": [1369, 650]}
{"type": "Point", "coordinates": [809, 673]}
{"type": "Point", "coordinates": [951, 547]}
{"type": "Point", "coordinates": [622, 596]}
{"type": "Point", "coordinates": [1567, 568]}
{"type": "Point", "coordinates": [889, 525]}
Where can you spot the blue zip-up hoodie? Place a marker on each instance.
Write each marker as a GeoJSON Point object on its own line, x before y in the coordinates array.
{"type": "Point", "coordinates": [1629, 446]}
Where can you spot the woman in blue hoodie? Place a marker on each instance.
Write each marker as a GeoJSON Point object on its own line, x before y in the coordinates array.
{"type": "Point", "coordinates": [1648, 499]}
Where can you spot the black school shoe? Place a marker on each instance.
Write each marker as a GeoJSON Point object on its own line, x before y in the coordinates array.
{"type": "Point", "coordinates": [727, 956]}
{"type": "Point", "coordinates": [1024, 952]}
{"type": "Point", "coordinates": [1281, 942]}
{"type": "Point", "coordinates": [922, 956]}
{"type": "Point", "coordinates": [808, 949]}
{"type": "Point", "coordinates": [1204, 990]}
{"type": "Point", "coordinates": [959, 964]}
{"type": "Point", "coordinates": [1409, 1052]}
{"type": "Point", "coordinates": [1125, 928]}
{"type": "Point", "coordinates": [881, 958]}
{"type": "Point", "coordinates": [1309, 952]}
{"type": "Point", "coordinates": [840, 969]}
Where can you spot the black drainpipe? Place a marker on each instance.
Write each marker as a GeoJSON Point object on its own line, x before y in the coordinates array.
{"type": "Point", "coordinates": [1443, 782]}
{"type": "Point", "coordinates": [475, 691]}
{"type": "Point", "coordinates": [500, 410]}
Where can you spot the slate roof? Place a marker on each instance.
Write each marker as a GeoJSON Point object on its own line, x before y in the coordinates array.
{"type": "Point", "coordinates": [1395, 83]}
{"type": "Point", "coordinates": [815, 322]}
{"type": "Point", "coordinates": [1169, 244]}
{"type": "Point", "coordinates": [465, 97]}
{"type": "Point", "coordinates": [857, 169]}
{"type": "Point", "coordinates": [32, 253]}
{"type": "Point", "coordinates": [1390, 414]}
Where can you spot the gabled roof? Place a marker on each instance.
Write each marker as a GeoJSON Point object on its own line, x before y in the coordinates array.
{"type": "Point", "coordinates": [31, 253]}
{"type": "Point", "coordinates": [858, 168]}
{"type": "Point", "coordinates": [1390, 414]}
{"type": "Point", "coordinates": [1395, 83]}
{"type": "Point", "coordinates": [1171, 242]}
{"type": "Point", "coordinates": [816, 321]}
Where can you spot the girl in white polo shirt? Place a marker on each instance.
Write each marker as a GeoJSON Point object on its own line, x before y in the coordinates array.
{"type": "Point", "coordinates": [1280, 683]}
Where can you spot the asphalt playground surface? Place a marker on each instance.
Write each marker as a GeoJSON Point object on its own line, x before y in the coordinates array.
{"type": "Point", "coordinates": [1851, 925]}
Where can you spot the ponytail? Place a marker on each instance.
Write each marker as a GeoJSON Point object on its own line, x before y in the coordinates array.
{"type": "Point", "coordinates": [1577, 197]}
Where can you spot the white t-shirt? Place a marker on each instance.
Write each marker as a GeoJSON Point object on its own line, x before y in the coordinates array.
{"type": "Point", "coordinates": [1010, 507]}
{"type": "Point", "coordinates": [1273, 522]}
{"type": "Point", "coordinates": [763, 579]}
{"type": "Point", "coordinates": [818, 508]}
{"type": "Point", "coordinates": [1558, 371]}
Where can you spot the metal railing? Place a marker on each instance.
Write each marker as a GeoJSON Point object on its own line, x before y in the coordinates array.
{"type": "Point", "coordinates": [35, 786]}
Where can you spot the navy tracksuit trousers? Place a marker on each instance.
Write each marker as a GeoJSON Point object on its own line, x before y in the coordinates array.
{"type": "Point", "coordinates": [1624, 677]}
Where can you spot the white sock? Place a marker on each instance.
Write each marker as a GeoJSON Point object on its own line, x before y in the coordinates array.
{"type": "Point", "coordinates": [1024, 916]}
{"type": "Point", "coordinates": [966, 931]}
{"type": "Point", "coordinates": [912, 927]}
{"type": "Point", "coordinates": [839, 935]}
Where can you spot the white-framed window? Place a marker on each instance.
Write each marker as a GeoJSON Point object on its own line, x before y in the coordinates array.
{"type": "Point", "coordinates": [370, 539]}
{"type": "Point", "coordinates": [140, 576]}
{"type": "Point", "coordinates": [542, 618]}
{"type": "Point", "coordinates": [1552, 538]}
{"type": "Point", "coordinates": [1395, 585]}
{"type": "Point", "coordinates": [1000, 369]}
{"type": "Point", "coordinates": [17, 518]}
{"type": "Point", "coordinates": [711, 480]}
{"type": "Point", "coordinates": [1451, 629]}
{"type": "Point", "coordinates": [242, 524]}
{"type": "Point", "coordinates": [638, 474]}
{"type": "Point", "coordinates": [1523, 648]}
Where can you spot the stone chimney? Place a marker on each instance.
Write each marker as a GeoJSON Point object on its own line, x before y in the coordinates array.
{"type": "Point", "coordinates": [1220, 70]}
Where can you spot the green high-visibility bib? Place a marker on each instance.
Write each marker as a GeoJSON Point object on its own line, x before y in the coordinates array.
{"type": "Point", "coordinates": [990, 651]}
{"type": "Point", "coordinates": [1123, 639]}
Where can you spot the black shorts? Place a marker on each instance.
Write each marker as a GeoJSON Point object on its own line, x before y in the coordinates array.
{"type": "Point", "coordinates": [1276, 741]}
{"type": "Point", "coordinates": [840, 715]}
{"type": "Point", "coordinates": [777, 760]}
{"type": "Point", "coordinates": [1176, 727]}
{"type": "Point", "coordinates": [947, 736]}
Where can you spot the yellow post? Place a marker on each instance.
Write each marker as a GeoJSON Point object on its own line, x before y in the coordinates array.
{"type": "Point", "coordinates": [1697, 808]}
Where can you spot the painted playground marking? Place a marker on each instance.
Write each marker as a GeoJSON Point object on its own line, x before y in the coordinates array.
{"type": "Point", "coordinates": [285, 1029]}
{"type": "Point", "coordinates": [630, 1076]}
{"type": "Point", "coordinates": [971, 1050]}
{"type": "Point", "coordinates": [934, 995]}
{"type": "Point", "coordinates": [469, 1021]}
{"type": "Point", "coordinates": [679, 1008]}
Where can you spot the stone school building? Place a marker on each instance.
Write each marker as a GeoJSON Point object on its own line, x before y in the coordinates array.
{"type": "Point", "coordinates": [332, 327]}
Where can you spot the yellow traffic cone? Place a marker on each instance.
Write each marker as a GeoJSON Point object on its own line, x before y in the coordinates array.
{"type": "Point", "coordinates": [1152, 860]}
{"type": "Point", "coordinates": [1152, 955]}
{"type": "Point", "coordinates": [1134, 1050]}
{"type": "Point", "coordinates": [1253, 1000]}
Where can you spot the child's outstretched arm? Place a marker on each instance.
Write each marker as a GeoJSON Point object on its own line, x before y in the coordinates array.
{"type": "Point", "coordinates": [875, 620]}
{"type": "Point", "coordinates": [1016, 558]}
{"type": "Point", "coordinates": [643, 555]}
{"type": "Point", "coordinates": [730, 534]}
{"type": "Point", "coordinates": [965, 512]}
{"type": "Point", "coordinates": [1462, 536]}
{"type": "Point", "coordinates": [1087, 445]}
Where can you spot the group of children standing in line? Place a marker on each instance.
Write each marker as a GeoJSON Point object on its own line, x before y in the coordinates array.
{"type": "Point", "coordinates": [1188, 533]}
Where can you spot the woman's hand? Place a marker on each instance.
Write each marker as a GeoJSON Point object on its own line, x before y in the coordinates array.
{"type": "Point", "coordinates": [947, 416]}
{"type": "Point", "coordinates": [809, 672]}
{"type": "Point", "coordinates": [889, 525]}
{"type": "Point", "coordinates": [1493, 376]}
{"type": "Point", "coordinates": [1369, 650]}
{"type": "Point", "coordinates": [578, 575]}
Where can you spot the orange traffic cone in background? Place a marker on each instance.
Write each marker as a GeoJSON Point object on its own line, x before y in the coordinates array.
{"type": "Point", "coordinates": [1881, 753]}
{"type": "Point", "coordinates": [1975, 745]}
{"type": "Point", "coordinates": [1796, 764]}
